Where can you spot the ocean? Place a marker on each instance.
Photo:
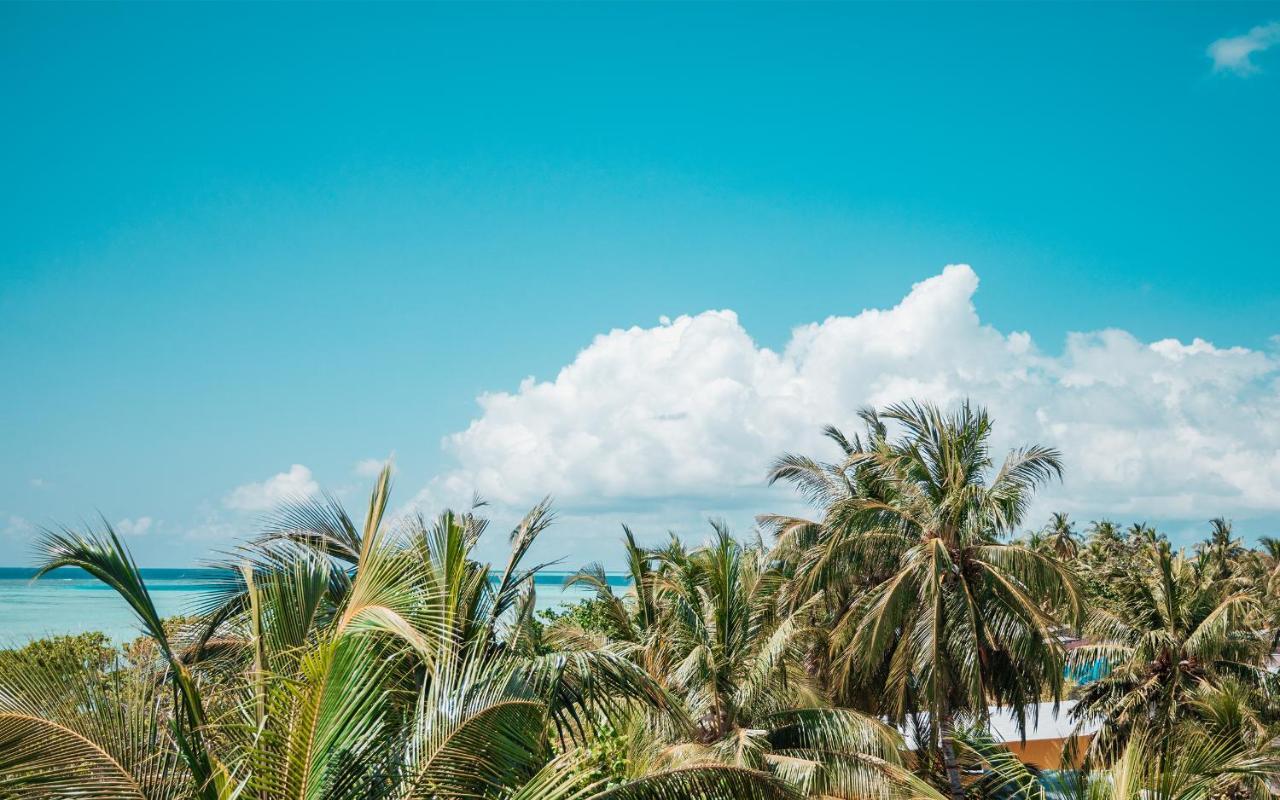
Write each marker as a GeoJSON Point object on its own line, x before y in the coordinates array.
{"type": "Point", "coordinates": [70, 601]}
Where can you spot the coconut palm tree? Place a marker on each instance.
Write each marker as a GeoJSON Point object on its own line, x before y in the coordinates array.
{"type": "Point", "coordinates": [708, 624]}
{"type": "Point", "coordinates": [1102, 533]}
{"type": "Point", "coordinates": [1060, 537]}
{"type": "Point", "coordinates": [959, 620]}
{"type": "Point", "coordinates": [335, 728]}
{"type": "Point", "coordinates": [106, 558]}
{"type": "Point", "coordinates": [1172, 629]}
{"type": "Point", "coordinates": [1262, 565]}
{"type": "Point", "coordinates": [1203, 766]}
{"type": "Point", "coordinates": [1258, 570]}
{"type": "Point", "coordinates": [1221, 551]}
{"type": "Point", "coordinates": [67, 732]}
{"type": "Point", "coordinates": [399, 676]}
{"type": "Point", "coordinates": [1270, 549]}
{"type": "Point", "coordinates": [632, 615]}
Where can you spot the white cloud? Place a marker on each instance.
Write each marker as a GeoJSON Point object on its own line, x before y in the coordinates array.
{"type": "Point", "coordinates": [1235, 53]}
{"type": "Point", "coordinates": [215, 527]}
{"type": "Point", "coordinates": [134, 527]}
{"type": "Point", "coordinates": [294, 484]}
{"type": "Point", "coordinates": [369, 467]}
{"type": "Point", "coordinates": [687, 415]}
{"type": "Point", "coordinates": [18, 527]}
{"type": "Point", "coordinates": [38, 483]}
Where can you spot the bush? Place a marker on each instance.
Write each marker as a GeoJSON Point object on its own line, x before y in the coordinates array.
{"type": "Point", "coordinates": [91, 652]}
{"type": "Point", "coordinates": [590, 613]}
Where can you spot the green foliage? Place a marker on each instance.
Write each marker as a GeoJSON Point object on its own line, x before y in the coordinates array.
{"type": "Point", "coordinates": [373, 660]}
{"type": "Point", "coordinates": [957, 618]}
{"type": "Point", "coordinates": [591, 614]}
{"type": "Point", "coordinates": [606, 755]}
{"type": "Point", "coordinates": [340, 662]}
{"type": "Point", "coordinates": [1204, 766]}
{"type": "Point", "coordinates": [1171, 629]}
{"type": "Point", "coordinates": [91, 653]}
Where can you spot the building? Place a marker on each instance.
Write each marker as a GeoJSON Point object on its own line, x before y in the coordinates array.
{"type": "Point", "coordinates": [1047, 734]}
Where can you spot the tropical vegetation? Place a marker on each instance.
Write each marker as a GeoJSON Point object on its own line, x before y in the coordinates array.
{"type": "Point", "coordinates": [860, 651]}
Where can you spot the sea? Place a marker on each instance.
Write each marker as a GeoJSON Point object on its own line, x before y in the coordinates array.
{"type": "Point", "coordinates": [69, 600]}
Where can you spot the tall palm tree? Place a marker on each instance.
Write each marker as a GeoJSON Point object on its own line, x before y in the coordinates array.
{"type": "Point", "coordinates": [1112, 553]}
{"type": "Point", "coordinates": [1263, 565]}
{"type": "Point", "coordinates": [1259, 570]}
{"type": "Point", "coordinates": [400, 675]}
{"type": "Point", "coordinates": [959, 619]}
{"type": "Point", "coordinates": [1101, 532]}
{"type": "Point", "coordinates": [708, 624]}
{"type": "Point", "coordinates": [1221, 550]}
{"type": "Point", "coordinates": [1270, 547]}
{"type": "Point", "coordinates": [1172, 629]}
{"type": "Point", "coordinates": [1060, 537]}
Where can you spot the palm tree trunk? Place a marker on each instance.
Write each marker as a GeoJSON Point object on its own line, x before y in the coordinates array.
{"type": "Point", "coordinates": [949, 758]}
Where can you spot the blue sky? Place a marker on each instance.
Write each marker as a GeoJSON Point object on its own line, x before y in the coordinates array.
{"type": "Point", "coordinates": [240, 238]}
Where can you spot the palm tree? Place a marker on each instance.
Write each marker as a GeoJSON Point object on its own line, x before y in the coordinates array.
{"type": "Point", "coordinates": [1203, 766]}
{"type": "Point", "coordinates": [1060, 537]}
{"type": "Point", "coordinates": [959, 621]}
{"type": "Point", "coordinates": [67, 732]}
{"type": "Point", "coordinates": [1263, 565]}
{"type": "Point", "coordinates": [106, 558]}
{"type": "Point", "coordinates": [1102, 542]}
{"type": "Point", "coordinates": [1270, 547]}
{"type": "Point", "coordinates": [1102, 532]}
{"type": "Point", "coordinates": [1172, 630]}
{"type": "Point", "coordinates": [1259, 570]}
{"type": "Point", "coordinates": [478, 729]}
{"type": "Point", "coordinates": [707, 623]}
{"type": "Point", "coordinates": [1221, 549]}
{"type": "Point", "coordinates": [400, 674]}
{"type": "Point", "coordinates": [632, 616]}
{"type": "Point", "coordinates": [1112, 553]}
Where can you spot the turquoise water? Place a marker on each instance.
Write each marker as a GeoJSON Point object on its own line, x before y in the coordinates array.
{"type": "Point", "coordinates": [69, 601]}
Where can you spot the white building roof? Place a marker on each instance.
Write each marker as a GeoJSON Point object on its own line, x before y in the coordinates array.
{"type": "Point", "coordinates": [1043, 723]}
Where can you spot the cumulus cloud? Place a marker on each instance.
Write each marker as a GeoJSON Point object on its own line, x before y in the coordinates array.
{"type": "Point", "coordinates": [1234, 54]}
{"type": "Point", "coordinates": [688, 414]}
{"type": "Point", "coordinates": [291, 485]}
{"type": "Point", "coordinates": [134, 527]}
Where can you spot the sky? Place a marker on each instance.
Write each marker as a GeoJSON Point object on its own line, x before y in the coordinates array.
{"type": "Point", "coordinates": [626, 255]}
